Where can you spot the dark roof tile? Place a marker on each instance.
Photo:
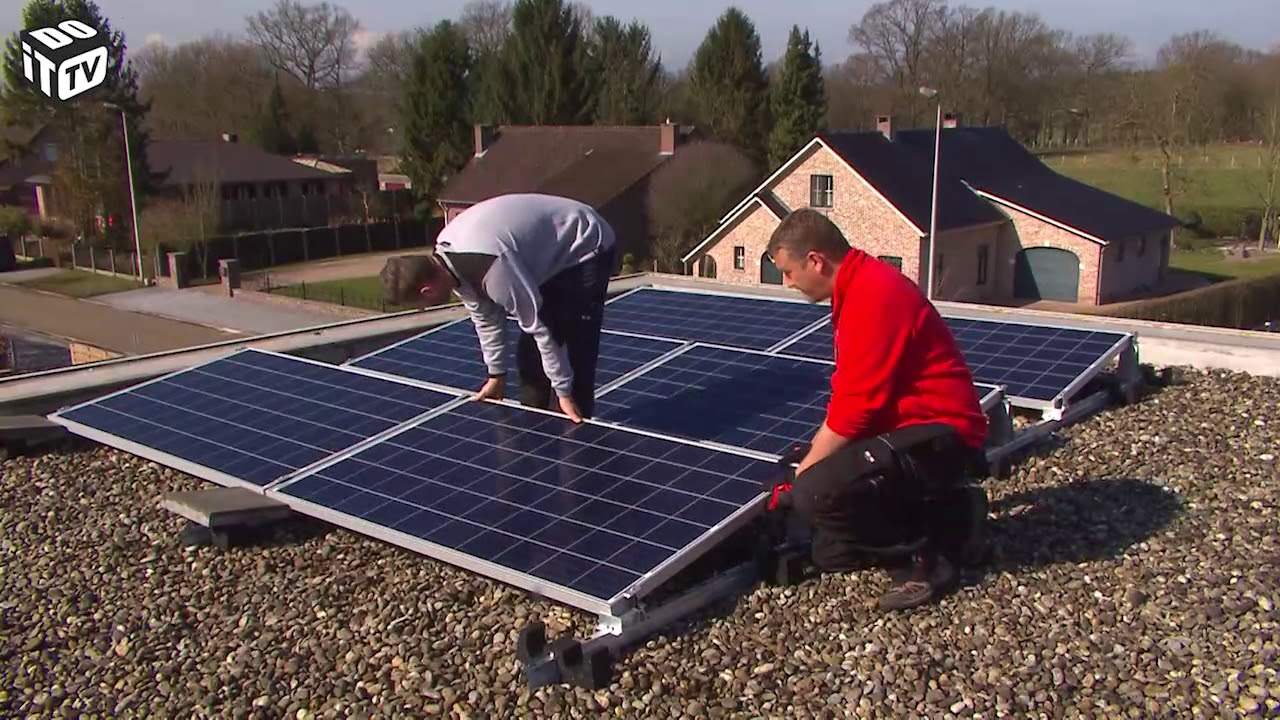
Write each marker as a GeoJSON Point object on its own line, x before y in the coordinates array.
{"type": "Point", "coordinates": [906, 180]}
{"type": "Point", "coordinates": [990, 160]}
{"type": "Point", "coordinates": [186, 161]}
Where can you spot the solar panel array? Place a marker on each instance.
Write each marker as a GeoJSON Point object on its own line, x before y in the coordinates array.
{"type": "Point", "coordinates": [450, 355]}
{"type": "Point", "coordinates": [696, 402]}
{"type": "Point", "coordinates": [1031, 361]}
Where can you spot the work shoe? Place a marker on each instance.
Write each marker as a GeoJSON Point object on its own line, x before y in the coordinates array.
{"type": "Point", "coordinates": [974, 545]}
{"type": "Point", "coordinates": [928, 579]}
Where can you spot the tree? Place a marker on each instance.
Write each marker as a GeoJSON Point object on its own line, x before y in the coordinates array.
{"type": "Point", "coordinates": [206, 87]}
{"type": "Point", "coordinates": [728, 84]}
{"type": "Point", "coordinates": [93, 139]}
{"type": "Point", "coordinates": [628, 71]}
{"type": "Point", "coordinates": [895, 35]}
{"type": "Point", "coordinates": [798, 101]}
{"type": "Point", "coordinates": [436, 125]}
{"type": "Point", "coordinates": [1268, 120]}
{"type": "Point", "coordinates": [487, 25]}
{"type": "Point", "coordinates": [690, 193]}
{"type": "Point", "coordinates": [313, 43]}
{"type": "Point", "coordinates": [273, 131]}
{"type": "Point", "coordinates": [543, 70]}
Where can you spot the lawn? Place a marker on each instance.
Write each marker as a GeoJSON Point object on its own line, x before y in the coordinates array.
{"type": "Point", "coordinates": [1220, 183]}
{"type": "Point", "coordinates": [81, 284]}
{"type": "Point", "coordinates": [360, 292]}
{"type": "Point", "coordinates": [1217, 266]}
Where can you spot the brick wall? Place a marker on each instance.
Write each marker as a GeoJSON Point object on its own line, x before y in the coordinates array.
{"type": "Point", "coordinates": [957, 275]}
{"type": "Point", "coordinates": [82, 353]}
{"type": "Point", "coordinates": [1132, 265]}
{"type": "Point", "coordinates": [751, 231]}
{"type": "Point", "coordinates": [1027, 231]}
{"type": "Point", "coordinates": [869, 222]}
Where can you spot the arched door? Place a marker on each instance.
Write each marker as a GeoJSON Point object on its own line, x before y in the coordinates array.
{"type": "Point", "coordinates": [1046, 273]}
{"type": "Point", "coordinates": [707, 267]}
{"type": "Point", "coordinates": [769, 273]}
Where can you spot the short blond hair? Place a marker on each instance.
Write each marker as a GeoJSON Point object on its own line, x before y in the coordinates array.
{"type": "Point", "coordinates": [404, 276]}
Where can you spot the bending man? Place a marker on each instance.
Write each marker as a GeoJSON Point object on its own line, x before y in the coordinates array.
{"type": "Point", "coordinates": [884, 480]}
{"type": "Point", "coordinates": [542, 259]}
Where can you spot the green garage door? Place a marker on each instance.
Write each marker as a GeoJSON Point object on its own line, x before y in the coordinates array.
{"type": "Point", "coordinates": [1045, 273]}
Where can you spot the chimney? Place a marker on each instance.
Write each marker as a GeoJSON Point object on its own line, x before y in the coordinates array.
{"type": "Point", "coordinates": [951, 120]}
{"type": "Point", "coordinates": [884, 125]}
{"type": "Point", "coordinates": [667, 138]}
{"type": "Point", "coordinates": [483, 138]}
{"type": "Point", "coordinates": [229, 137]}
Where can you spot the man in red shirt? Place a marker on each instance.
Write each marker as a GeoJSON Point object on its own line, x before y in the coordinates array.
{"type": "Point", "coordinates": [885, 480]}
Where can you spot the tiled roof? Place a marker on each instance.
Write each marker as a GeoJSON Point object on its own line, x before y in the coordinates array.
{"type": "Point", "coordinates": [905, 178]}
{"type": "Point", "coordinates": [592, 164]}
{"type": "Point", "coordinates": [990, 160]}
{"type": "Point", "coordinates": [186, 160]}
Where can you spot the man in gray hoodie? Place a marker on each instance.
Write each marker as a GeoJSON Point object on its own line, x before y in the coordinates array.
{"type": "Point", "coordinates": [542, 259]}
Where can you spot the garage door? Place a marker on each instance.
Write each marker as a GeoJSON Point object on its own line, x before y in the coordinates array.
{"type": "Point", "coordinates": [1046, 274]}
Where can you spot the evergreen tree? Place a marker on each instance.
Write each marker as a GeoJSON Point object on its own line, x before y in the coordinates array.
{"type": "Point", "coordinates": [798, 103]}
{"type": "Point", "coordinates": [91, 133]}
{"type": "Point", "coordinates": [437, 129]}
{"type": "Point", "coordinates": [628, 73]}
{"type": "Point", "coordinates": [544, 75]}
{"type": "Point", "coordinates": [273, 133]}
{"type": "Point", "coordinates": [728, 85]}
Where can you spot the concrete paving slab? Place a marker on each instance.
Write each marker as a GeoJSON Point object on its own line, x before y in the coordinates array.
{"type": "Point", "coordinates": [21, 276]}
{"type": "Point", "coordinates": [211, 310]}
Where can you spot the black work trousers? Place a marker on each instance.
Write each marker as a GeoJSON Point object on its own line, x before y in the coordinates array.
{"type": "Point", "coordinates": [573, 309]}
{"type": "Point", "coordinates": [879, 501]}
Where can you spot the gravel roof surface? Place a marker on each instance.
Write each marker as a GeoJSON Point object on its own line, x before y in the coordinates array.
{"type": "Point", "coordinates": [1137, 573]}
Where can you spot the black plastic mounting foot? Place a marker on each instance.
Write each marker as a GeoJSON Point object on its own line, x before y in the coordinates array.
{"type": "Point", "coordinates": [531, 643]}
{"type": "Point", "coordinates": [588, 669]}
{"type": "Point", "coordinates": [790, 569]}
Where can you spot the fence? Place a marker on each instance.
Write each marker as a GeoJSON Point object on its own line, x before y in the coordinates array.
{"type": "Point", "coordinates": [255, 251]}
{"type": "Point", "coordinates": [350, 295]}
{"type": "Point", "coordinates": [258, 214]}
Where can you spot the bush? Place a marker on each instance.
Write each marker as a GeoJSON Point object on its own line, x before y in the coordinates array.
{"type": "Point", "coordinates": [14, 222]}
{"type": "Point", "coordinates": [1243, 304]}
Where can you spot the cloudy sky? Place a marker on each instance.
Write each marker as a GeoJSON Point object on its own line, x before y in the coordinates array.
{"type": "Point", "coordinates": [679, 25]}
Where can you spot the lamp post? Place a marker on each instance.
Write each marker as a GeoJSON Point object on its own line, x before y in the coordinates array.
{"type": "Point", "coordinates": [133, 203]}
{"type": "Point", "coordinates": [933, 203]}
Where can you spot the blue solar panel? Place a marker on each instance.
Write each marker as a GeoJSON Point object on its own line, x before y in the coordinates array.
{"type": "Point", "coordinates": [742, 399]}
{"type": "Point", "coordinates": [450, 356]}
{"type": "Point", "coordinates": [1031, 361]}
{"type": "Point", "coordinates": [583, 507]}
{"type": "Point", "coordinates": [719, 319]}
{"type": "Point", "coordinates": [253, 416]}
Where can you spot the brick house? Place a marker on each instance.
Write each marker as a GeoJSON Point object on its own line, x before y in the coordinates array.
{"type": "Point", "coordinates": [1010, 230]}
{"type": "Point", "coordinates": [27, 157]}
{"type": "Point", "coordinates": [607, 167]}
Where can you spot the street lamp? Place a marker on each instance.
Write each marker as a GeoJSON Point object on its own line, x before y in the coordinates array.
{"type": "Point", "coordinates": [933, 203]}
{"type": "Point", "coordinates": [133, 203]}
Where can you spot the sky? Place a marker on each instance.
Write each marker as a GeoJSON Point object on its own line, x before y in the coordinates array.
{"type": "Point", "coordinates": [678, 26]}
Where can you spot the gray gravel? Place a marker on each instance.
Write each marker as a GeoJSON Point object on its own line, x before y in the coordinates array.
{"type": "Point", "coordinates": [1137, 576]}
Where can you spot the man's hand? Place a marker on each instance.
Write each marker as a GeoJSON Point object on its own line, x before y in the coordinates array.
{"type": "Point", "coordinates": [570, 408]}
{"type": "Point", "coordinates": [492, 390]}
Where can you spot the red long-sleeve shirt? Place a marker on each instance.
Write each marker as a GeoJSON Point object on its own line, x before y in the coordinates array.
{"type": "Point", "coordinates": [897, 363]}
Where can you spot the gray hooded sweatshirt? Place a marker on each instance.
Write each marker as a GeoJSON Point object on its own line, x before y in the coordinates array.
{"type": "Point", "coordinates": [502, 250]}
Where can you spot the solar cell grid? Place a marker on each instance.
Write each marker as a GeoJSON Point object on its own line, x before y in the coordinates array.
{"type": "Point", "coordinates": [585, 507]}
{"type": "Point", "coordinates": [450, 356]}
{"type": "Point", "coordinates": [253, 416]}
{"type": "Point", "coordinates": [738, 398]}
{"type": "Point", "coordinates": [718, 319]}
{"type": "Point", "coordinates": [1031, 361]}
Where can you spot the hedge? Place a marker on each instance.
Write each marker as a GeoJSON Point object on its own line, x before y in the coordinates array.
{"type": "Point", "coordinates": [1245, 304]}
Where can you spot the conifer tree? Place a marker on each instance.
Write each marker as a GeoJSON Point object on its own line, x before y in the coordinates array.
{"type": "Point", "coordinates": [544, 73]}
{"type": "Point", "coordinates": [435, 118]}
{"type": "Point", "coordinates": [728, 85]}
{"type": "Point", "coordinates": [623, 61]}
{"type": "Point", "coordinates": [798, 101]}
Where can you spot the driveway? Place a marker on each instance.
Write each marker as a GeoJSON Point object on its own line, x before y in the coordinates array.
{"type": "Point", "coordinates": [195, 305]}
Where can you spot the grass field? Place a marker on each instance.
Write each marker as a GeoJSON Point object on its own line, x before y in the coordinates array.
{"type": "Point", "coordinates": [1217, 266]}
{"type": "Point", "coordinates": [360, 292]}
{"type": "Point", "coordinates": [81, 284]}
{"type": "Point", "coordinates": [1221, 183]}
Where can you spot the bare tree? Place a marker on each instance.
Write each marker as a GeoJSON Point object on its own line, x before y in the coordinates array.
{"type": "Point", "coordinates": [1269, 132]}
{"type": "Point", "coordinates": [487, 24]}
{"type": "Point", "coordinates": [895, 34]}
{"type": "Point", "coordinates": [690, 192]}
{"type": "Point", "coordinates": [202, 88]}
{"type": "Point", "coordinates": [313, 43]}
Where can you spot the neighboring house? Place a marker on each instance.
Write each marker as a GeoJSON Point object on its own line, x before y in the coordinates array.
{"type": "Point", "coordinates": [1015, 230]}
{"type": "Point", "coordinates": [259, 190]}
{"type": "Point", "coordinates": [607, 167]}
{"type": "Point", "coordinates": [27, 157]}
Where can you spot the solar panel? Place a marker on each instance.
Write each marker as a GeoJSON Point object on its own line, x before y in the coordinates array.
{"type": "Point", "coordinates": [1033, 362]}
{"type": "Point", "coordinates": [742, 399]}
{"type": "Point", "coordinates": [450, 356]}
{"type": "Point", "coordinates": [249, 418]}
{"type": "Point", "coordinates": [753, 323]}
{"type": "Point", "coordinates": [581, 513]}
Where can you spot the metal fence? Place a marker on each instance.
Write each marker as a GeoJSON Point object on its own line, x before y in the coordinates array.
{"type": "Point", "coordinates": [334, 293]}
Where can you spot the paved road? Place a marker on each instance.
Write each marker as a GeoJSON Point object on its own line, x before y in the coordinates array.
{"type": "Point", "coordinates": [100, 325]}
{"type": "Point", "coordinates": [197, 305]}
